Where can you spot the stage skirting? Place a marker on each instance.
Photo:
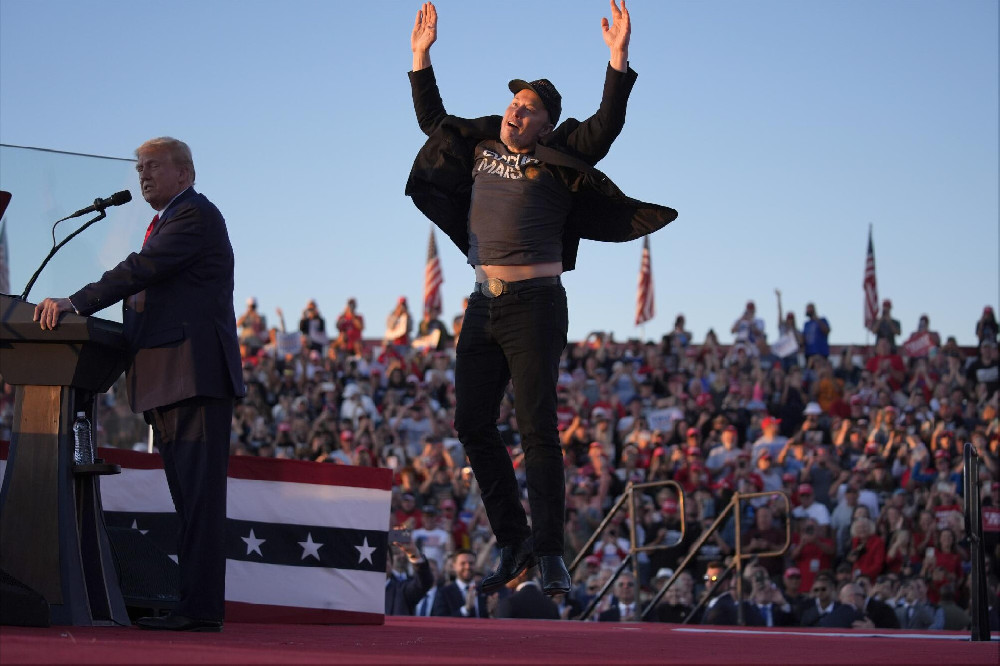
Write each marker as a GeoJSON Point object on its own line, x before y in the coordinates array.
{"type": "Point", "coordinates": [306, 543]}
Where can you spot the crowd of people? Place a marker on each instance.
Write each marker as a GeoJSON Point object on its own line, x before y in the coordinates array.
{"type": "Point", "coordinates": [864, 442]}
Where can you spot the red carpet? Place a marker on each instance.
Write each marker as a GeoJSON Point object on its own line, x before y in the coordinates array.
{"type": "Point", "coordinates": [455, 641]}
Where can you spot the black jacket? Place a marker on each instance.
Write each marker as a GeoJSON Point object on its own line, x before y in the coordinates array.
{"type": "Point", "coordinates": [449, 600]}
{"type": "Point", "coordinates": [440, 182]}
{"type": "Point", "coordinates": [402, 596]}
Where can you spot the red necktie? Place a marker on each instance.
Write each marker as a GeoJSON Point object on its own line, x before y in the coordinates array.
{"type": "Point", "coordinates": [149, 229]}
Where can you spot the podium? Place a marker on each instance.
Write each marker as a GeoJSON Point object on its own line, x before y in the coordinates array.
{"type": "Point", "coordinates": [53, 535]}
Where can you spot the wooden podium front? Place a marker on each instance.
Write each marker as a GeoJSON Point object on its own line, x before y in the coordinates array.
{"type": "Point", "coordinates": [54, 538]}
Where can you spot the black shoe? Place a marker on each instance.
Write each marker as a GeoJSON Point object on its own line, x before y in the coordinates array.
{"type": "Point", "coordinates": [513, 560]}
{"type": "Point", "coordinates": [555, 576]}
{"type": "Point", "coordinates": [178, 623]}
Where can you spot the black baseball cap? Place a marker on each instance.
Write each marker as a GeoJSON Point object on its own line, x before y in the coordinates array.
{"type": "Point", "coordinates": [551, 99]}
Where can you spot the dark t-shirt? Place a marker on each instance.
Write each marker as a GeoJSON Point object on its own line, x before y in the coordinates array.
{"type": "Point", "coordinates": [519, 208]}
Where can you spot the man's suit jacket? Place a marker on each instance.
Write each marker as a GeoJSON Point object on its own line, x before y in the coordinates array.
{"type": "Point", "coordinates": [528, 603]}
{"type": "Point", "coordinates": [842, 615]}
{"type": "Point", "coordinates": [178, 315]}
{"type": "Point", "coordinates": [723, 611]}
{"type": "Point", "coordinates": [614, 613]}
{"type": "Point", "coordinates": [922, 616]}
{"type": "Point", "coordinates": [449, 602]}
{"type": "Point", "coordinates": [881, 614]}
{"type": "Point", "coordinates": [402, 596]}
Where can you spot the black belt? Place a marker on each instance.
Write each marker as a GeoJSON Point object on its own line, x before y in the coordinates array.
{"type": "Point", "coordinates": [494, 287]}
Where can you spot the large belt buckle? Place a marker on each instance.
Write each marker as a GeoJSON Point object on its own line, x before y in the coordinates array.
{"type": "Point", "coordinates": [492, 287]}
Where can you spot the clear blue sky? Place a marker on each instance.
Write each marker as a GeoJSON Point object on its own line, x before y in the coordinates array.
{"type": "Point", "coordinates": [780, 129]}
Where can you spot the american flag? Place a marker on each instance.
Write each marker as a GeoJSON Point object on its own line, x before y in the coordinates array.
{"type": "Point", "coordinates": [644, 309]}
{"type": "Point", "coordinates": [432, 278]}
{"type": "Point", "coordinates": [306, 542]}
{"type": "Point", "coordinates": [870, 287]}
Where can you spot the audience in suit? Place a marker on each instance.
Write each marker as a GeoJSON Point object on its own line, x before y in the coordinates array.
{"type": "Point", "coordinates": [461, 597]}
{"type": "Point", "coordinates": [916, 612]}
{"type": "Point", "coordinates": [404, 591]}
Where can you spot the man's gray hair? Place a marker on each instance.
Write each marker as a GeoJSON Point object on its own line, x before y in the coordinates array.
{"type": "Point", "coordinates": [179, 151]}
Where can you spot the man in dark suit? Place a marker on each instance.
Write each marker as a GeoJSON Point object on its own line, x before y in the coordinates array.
{"type": "Point", "coordinates": [825, 610]}
{"type": "Point", "coordinates": [916, 612]}
{"type": "Point", "coordinates": [527, 602]}
{"type": "Point", "coordinates": [877, 613]}
{"type": "Point", "coordinates": [403, 591]}
{"type": "Point", "coordinates": [461, 598]}
{"type": "Point", "coordinates": [184, 370]}
{"type": "Point", "coordinates": [624, 606]}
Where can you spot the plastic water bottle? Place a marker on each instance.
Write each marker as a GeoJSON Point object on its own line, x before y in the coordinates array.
{"type": "Point", "coordinates": [83, 447]}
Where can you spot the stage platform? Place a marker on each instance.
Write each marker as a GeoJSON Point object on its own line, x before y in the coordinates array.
{"type": "Point", "coordinates": [404, 640]}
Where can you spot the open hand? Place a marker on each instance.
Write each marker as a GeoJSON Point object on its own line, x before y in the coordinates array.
{"type": "Point", "coordinates": [424, 28]}
{"type": "Point", "coordinates": [616, 35]}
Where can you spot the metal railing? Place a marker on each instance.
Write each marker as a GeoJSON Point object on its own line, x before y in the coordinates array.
{"type": "Point", "coordinates": [733, 507]}
{"type": "Point", "coordinates": [627, 500]}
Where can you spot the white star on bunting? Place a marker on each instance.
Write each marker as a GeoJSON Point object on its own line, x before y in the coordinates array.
{"type": "Point", "coordinates": [310, 548]}
{"type": "Point", "coordinates": [365, 552]}
{"type": "Point", "coordinates": [253, 543]}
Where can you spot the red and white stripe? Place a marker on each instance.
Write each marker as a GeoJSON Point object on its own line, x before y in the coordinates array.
{"type": "Point", "coordinates": [644, 309]}
{"type": "Point", "coordinates": [869, 284]}
{"type": "Point", "coordinates": [432, 278]}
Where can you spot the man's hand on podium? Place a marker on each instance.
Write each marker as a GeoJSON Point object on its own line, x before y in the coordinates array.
{"type": "Point", "coordinates": [47, 312]}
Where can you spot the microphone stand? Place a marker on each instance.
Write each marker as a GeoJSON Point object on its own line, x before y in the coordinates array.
{"type": "Point", "coordinates": [55, 248]}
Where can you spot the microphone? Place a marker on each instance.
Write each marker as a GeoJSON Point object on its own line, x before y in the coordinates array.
{"type": "Point", "coordinates": [116, 199]}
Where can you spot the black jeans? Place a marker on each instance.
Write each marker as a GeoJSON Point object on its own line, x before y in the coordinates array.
{"type": "Point", "coordinates": [518, 336]}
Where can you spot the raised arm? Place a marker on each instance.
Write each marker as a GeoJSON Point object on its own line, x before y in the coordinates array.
{"type": "Point", "coordinates": [423, 36]}
{"type": "Point", "coordinates": [591, 139]}
{"type": "Point", "coordinates": [616, 35]}
{"type": "Point", "coordinates": [427, 102]}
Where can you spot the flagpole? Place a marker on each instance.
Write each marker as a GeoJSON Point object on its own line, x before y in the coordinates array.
{"type": "Point", "coordinates": [868, 331]}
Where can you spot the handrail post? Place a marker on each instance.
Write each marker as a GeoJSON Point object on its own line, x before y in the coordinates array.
{"type": "Point", "coordinates": [978, 604]}
{"type": "Point", "coordinates": [738, 518]}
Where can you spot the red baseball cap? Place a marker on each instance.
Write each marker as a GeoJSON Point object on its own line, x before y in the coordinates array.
{"type": "Point", "coordinates": [793, 571]}
{"type": "Point", "coordinates": [669, 506]}
{"type": "Point", "coordinates": [770, 421]}
{"type": "Point", "coordinates": [691, 432]}
{"type": "Point", "coordinates": [805, 489]}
